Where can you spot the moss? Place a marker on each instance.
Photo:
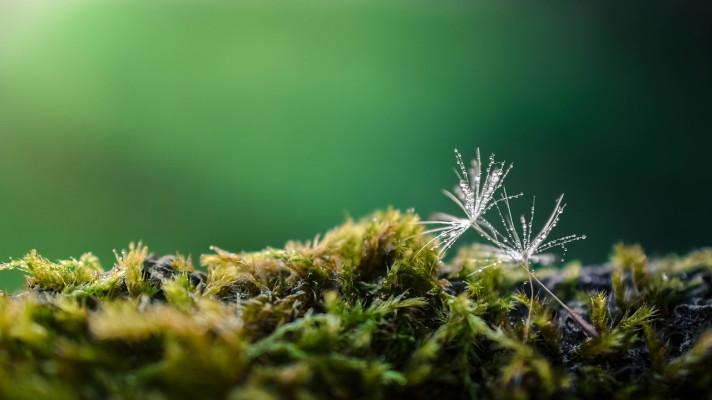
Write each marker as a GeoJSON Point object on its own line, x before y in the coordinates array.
{"type": "Point", "coordinates": [363, 312]}
{"type": "Point", "coordinates": [64, 275]}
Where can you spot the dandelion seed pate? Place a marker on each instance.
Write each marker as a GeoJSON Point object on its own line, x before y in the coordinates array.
{"type": "Point", "coordinates": [473, 195]}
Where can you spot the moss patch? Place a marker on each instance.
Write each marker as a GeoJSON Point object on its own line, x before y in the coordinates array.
{"type": "Point", "coordinates": [360, 313]}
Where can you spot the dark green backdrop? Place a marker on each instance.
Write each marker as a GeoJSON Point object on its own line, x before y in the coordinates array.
{"type": "Point", "coordinates": [246, 124]}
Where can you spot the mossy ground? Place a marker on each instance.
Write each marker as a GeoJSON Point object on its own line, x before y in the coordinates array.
{"type": "Point", "coordinates": [360, 313]}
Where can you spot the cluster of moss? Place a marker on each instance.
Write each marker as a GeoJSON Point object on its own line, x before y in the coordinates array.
{"type": "Point", "coordinates": [361, 313]}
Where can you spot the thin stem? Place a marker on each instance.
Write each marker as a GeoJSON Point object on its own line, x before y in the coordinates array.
{"type": "Point", "coordinates": [531, 302]}
{"type": "Point", "coordinates": [579, 319]}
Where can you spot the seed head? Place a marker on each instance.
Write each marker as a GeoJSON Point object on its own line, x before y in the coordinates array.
{"type": "Point", "coordinates": [472, 194]}
{"type": "Point", "coordinates": [523, 246]}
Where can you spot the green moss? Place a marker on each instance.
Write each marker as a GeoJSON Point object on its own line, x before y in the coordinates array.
{"type": "Point", "coordinates": [364, 312]}
{"type": "Point", "coordinates": [42, 274]}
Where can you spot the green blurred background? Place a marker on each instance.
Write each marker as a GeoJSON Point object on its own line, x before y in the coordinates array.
{"type": "Point", "coordinates": [246, 124]}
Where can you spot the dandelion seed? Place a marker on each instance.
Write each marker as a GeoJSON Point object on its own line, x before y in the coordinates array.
{"type": "Point", "coordinates": [515, 247]}
{"type": "Point", "coordinates": [473, 195]}
{"type": "Point", "coordinates": [523, 248]}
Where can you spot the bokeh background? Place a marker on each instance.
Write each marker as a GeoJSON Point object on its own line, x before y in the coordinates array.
{"type": "Point", "coordinates": [245, 124]}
